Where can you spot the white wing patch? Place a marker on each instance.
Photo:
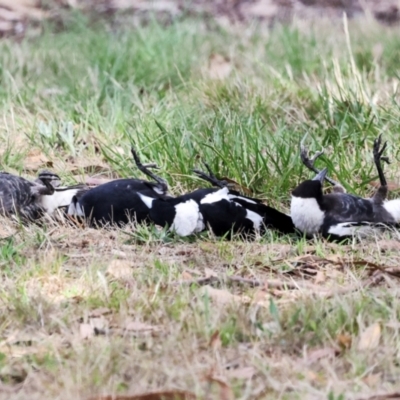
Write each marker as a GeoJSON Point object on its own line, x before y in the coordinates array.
{"type": "Point", "coordinates": [255, 218]}
{"type": "Point", "coordinates": [361, 229]}
{"type": "Point", "coordinates": [188, 218]}
{"type": "Point", "coordinates": [214, 197]}
{"type": "Point", "coordinates": [58, 199]}
{"type": "Point", "coordinates": [393, 208]}
{"type": "Point", "coordinates": [233, 197]}
{"type": "Point", "coordinates": [306, 215]}
{"type": "Point", "coordinates": [148, 201]}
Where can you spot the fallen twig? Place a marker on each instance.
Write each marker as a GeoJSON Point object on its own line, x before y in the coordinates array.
{"type": "Point", "coordinates": [200, 281]}
{"type": "Point", "coordinates": [395, 395]}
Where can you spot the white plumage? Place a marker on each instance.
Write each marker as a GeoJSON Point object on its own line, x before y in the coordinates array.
{"type": "Point", "coordinates": [306, 214]}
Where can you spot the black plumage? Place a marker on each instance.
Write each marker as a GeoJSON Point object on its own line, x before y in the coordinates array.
{"type": "Point", "coordinates": [117, 202]}
{"type": "Point", "coordinates": [241, 214]}
{"type": "Point", "coordinates": [222, 210]}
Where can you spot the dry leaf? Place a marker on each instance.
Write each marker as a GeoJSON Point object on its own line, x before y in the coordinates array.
{"type": "Point", "coordinates": [210, 273]}
{"type": "Point", "coordinates": [219, 67]}
{"type": "Point", "coordinates": [388, 245]}
{"type": "Point", "coordinates": [392, 186]}
{"type": "Point", "coordinates": [261, 296]}
{"type": "Point", "coordinates": [86, 331]}
{"type": "Point", "coordinates": [237, 186]}
{"type": "Point", "coordinates": [24, 9]}
{"type": "Point", "coordinates": [120, 269]}
{"type": "Point", "coordinates": [394, 395]}
{"type": "Point", "coordinates": [137, 326]}
{"type": "Point", "coordinates": [369, 339]}
{"type": "Point", "coordinates": [98, 312]}
{"type": "Point", "coordinates": [215, 341]}
{"type": "Point", "coordinates": [372, 379]}
{"type": "Point", "coordinates": [5, 26]}
{"type": "Point", "coordinates": [163, 395]}
{"type": "Point", "coordinates": [186, 276]}
{"type": "Point", "coordinates": [344, 340]}
{"type": "Point", "coordinates": [241, 373]}
{"type": "Point", "coordinates": [35, 161]}
{"type": "Point", "coordinates": [317, 354]}
{"type": "Point", "coordinates": [7, 229]}
{"type": "Point", "coordinates": [319, 277]}
{"type": "Point", "coordinates": [221, 296]}
{"type": "Point", "coordinates": [261, 9]}
{"type": "Point", "coordinates": [225, 391]}
{"type": "Point", "coordinates": [82, 166]}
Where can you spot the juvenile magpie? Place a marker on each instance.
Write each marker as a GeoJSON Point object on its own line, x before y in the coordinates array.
{"type": "Point", "coordinates": [30, 200]}
{"type": "Point", "coordinates": [223, 210]}
{"type": "Point", "coordinates": [339, 214]}
{"type": "Point", "coordinates": [117, 202]}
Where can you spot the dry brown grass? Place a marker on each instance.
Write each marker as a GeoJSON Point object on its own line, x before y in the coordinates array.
{"type": "Point", "coordinates": [87, 312]}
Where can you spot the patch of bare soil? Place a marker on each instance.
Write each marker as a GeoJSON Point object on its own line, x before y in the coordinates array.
{"type": "Point", "coordinates": [16, 15]}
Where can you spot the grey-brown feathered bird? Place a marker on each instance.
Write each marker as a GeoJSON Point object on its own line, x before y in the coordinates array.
{"type": "Point", "coordinates": [29, 200]}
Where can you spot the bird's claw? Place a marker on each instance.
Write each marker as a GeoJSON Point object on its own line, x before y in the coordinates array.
{"type": "Point", "coordinates": [145, 168]}
{"type": "Point", "coordinates": [378, 150]}
{"type": "Point", "coordinates": [307, 160]}
{"type": "Point", "coordinates": [210, 177]}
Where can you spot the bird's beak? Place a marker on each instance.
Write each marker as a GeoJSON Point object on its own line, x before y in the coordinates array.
{"type": "Point", "coordinates": [321, 175]}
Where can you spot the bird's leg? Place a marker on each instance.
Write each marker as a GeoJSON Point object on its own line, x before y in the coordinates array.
{"type": "Point", "coordinates": [309, 163]}
{"type": "Point", "coordinates": [145, 168]}
{"type": "Point", "coordinates": [378, 158]}
{"type": "Point", "coordinates": [378, 150]}
{"type": "Point", "coordinates": [210, 177]}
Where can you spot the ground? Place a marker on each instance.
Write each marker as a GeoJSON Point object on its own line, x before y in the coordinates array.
{"type": "Point", "coordinates": [86, 313]}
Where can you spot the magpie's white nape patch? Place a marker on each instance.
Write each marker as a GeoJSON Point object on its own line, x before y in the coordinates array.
{"type": "Point", "coordinates": [306, 214]}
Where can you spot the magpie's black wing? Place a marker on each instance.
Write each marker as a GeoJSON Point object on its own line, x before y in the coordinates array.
{"type": "Point", "coordinates": [225, 217]}
{"type": "Point", "coordinates": [272, 218]}
{"type": "Point", "coordinates": [118, 201]}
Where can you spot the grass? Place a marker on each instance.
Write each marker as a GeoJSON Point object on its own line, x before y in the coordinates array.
{"type": "Point", "coordinates": [71, 300]}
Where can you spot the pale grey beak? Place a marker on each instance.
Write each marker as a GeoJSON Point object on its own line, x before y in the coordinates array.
{"type": "Point", "coordinates": [321, 175]}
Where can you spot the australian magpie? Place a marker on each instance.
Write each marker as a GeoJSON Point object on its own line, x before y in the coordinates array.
{"type": "Point", "coordinates": [223, 210]}
{"type": "Point", "coordinates": [117, 202]}
{"type": "Point", "coordinates": [30, 200]}
{"type": "Point", "coordinates": [339, 214]}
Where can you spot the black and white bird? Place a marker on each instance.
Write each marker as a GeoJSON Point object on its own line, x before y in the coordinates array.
{"type": "Point", "coordinates": [117, 202]}
{"type": "Point", "coordinates": [338, 214]}
{"type": "Point", "coordinates": [222, 210]}
{"type": "Point", "coordinates": [30, 200]}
